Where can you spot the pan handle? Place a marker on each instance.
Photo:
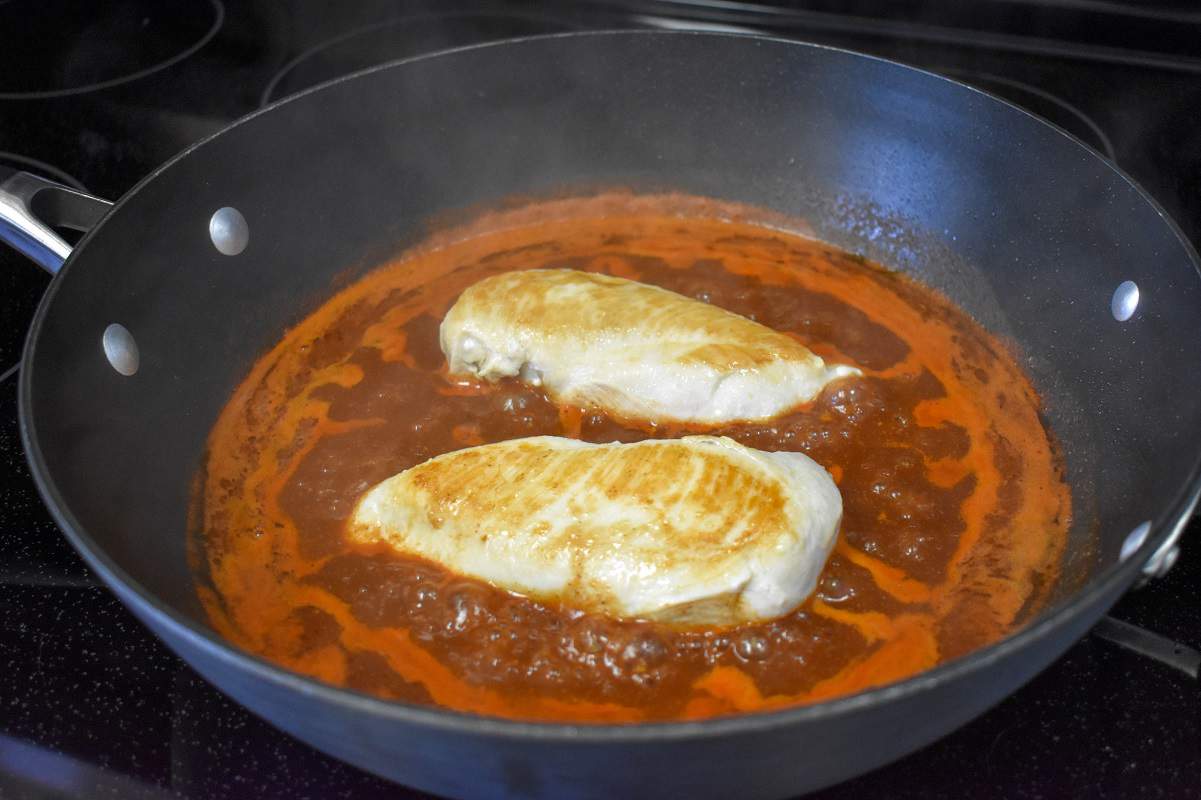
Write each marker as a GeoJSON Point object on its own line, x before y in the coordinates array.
{"type": "Point", "coordinates": [30, 208]}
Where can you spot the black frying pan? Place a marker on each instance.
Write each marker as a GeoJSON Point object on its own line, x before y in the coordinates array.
{"type": "Point", "coordinates": [1024, 227]}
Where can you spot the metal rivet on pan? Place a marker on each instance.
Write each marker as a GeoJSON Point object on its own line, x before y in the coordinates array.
{"type": "Point", "coordinates": [229, 231]}
{"type": "Point", "coordinates": [1125, 301]}
{"type": "Point", "coordinates": [120, 349]}
{"type": "Point", "coordinates": [1135, 540]}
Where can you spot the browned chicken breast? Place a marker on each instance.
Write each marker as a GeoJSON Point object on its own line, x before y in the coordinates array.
{"type": "Point", "coordinates": [692, 530]}
{"type": "Point", "coordinates": [632, 349]}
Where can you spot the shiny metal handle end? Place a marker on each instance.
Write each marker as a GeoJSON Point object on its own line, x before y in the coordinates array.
{"type": "Point", "coordinates": [31, 207]}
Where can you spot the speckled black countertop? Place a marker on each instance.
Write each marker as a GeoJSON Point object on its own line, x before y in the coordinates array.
{"type": "Point", "coordinates": [91, 705]}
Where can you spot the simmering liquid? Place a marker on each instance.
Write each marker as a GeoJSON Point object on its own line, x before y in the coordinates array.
{"type": "Point", "coordinates": [955, 507]}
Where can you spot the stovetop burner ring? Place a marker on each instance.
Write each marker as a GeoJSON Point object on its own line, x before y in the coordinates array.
{"type": "Point", "coordinates": [28, 163]}
{"type": "Point", "coordinates": [983, 80]}
{"type": "Point", "coordinates": [218, 11]}
{"type": "Point", "coordinates": [534, 24]}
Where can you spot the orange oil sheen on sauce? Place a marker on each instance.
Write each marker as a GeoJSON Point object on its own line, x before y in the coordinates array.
{"type": "Point", "coordinates": [955, 507]}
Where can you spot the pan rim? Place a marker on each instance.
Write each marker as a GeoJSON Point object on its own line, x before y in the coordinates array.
{"type": "Point", "coordinates": [1114, 577]}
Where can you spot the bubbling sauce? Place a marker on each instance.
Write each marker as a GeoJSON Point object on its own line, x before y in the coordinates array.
{"type": "Point", "coordinates": [955, 506]}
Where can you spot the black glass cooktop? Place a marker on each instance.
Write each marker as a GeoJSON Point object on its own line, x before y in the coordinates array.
{"type": "Point", "coordinates": [97, 94]}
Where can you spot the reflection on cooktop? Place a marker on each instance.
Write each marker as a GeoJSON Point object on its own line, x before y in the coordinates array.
{"type": "Point", "coordinates": [69, 48]}
{"type": "Point", "coordinates": [395, 39]}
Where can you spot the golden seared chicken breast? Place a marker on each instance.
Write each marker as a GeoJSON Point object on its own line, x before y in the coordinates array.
{"type": "Point", "coordinates": [695, 530]}
{"type": "Point", "coordinates": [631, 349]}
